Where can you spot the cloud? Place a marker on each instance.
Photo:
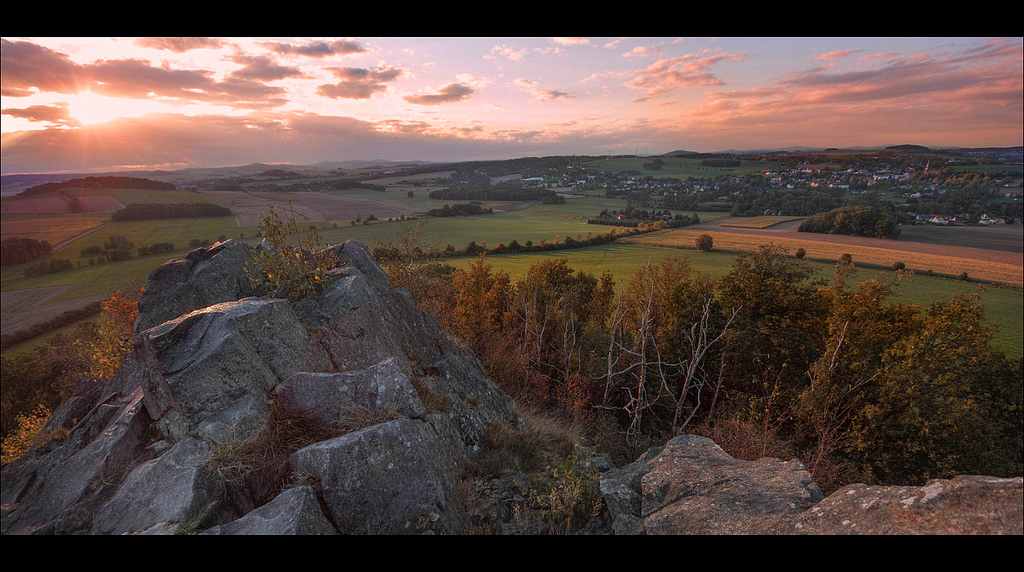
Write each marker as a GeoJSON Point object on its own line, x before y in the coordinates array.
{"type": "Point", "coordinates": [446, 94]}
{"type": "Point", "coordinates": [56, 114]}
{"type": "Point", "coordinates": [915, 97]}
{"type": "Point", "coordinates": [27, 66]}
{"type": "Point", "coordinates": [643, 51]}
{"type": "Point", "coordinates": [317, 49]}
{"type": "Point", "coordinates": [977, 75]}
{"type": "Point", "coordinates": [179, 45]}
{"type": "Point", "coordinates": [541, 94]}
{"type": "Point", "coordinates": [509, 53]}
{"type": "Point", "coordinates": [691, 70]}
{"type": "Point", "coordinates": [262, 68]}
{"type": "Point", "coordinates": [134, 78]}
{"type": "Point", "coordinates": [837, 54]}
{"type": "Point", "coordinates": [579, 41]}
{"type": "Point", "coordinates": [359, 83]}
{"type": "Point", "coordinates": [175, 141]}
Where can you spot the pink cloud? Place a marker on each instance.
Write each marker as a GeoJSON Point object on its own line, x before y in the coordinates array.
{"type": "Point", "coordinates": [28, 66]}
{"type": "Point", "coordinates": [317, 49]}
{"type": "Point", "coordinates": [691, 70]}
{"type": "Point", "coordinates": [179, 45]}
{"type": "Point", "coordinates": [360, 83]}
{"type": "Point", "coordinates": [836, 54]}
{"type": "Point", "coordinates": [446, 94]}
{"type": "Point", "coordinates": [976, 95]}
{"type": "Point", "coordinates": [542, 94]}
{"type": "Point", "coordinates": [57, 114]}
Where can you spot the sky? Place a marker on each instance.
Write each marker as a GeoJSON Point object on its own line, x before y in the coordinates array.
{"type": "Point", "coordinates": [92, 104]}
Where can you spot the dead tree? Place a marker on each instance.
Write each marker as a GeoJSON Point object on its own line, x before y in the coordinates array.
{"type": "Point", "coordinates": [701, 340]}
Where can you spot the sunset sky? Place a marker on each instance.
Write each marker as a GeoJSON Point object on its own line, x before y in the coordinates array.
{"type": "Point", "coordinates": [98, 104]}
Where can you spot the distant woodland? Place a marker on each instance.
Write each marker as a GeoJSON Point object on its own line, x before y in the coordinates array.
{"type": "Point", "coordinates": [109, 182]}
{"type": "Point", "coordinates": [857, 220]}
{"type": "Point", "coordinates": [150, 211]}
{"type": "Point", "coordinates": [510, 192]}
{"type": "Point", "coordinates": [18, 250]}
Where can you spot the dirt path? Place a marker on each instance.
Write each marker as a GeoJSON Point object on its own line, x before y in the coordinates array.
{"type": "Point", "coordinates": [74, 238]}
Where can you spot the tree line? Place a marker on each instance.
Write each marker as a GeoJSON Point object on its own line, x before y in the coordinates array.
{"type": "Point", "coordinates": [19, 250]}
{"type": "Point", "coordinates": [406, 252]}
{"type": "Point", "coordinates": [501, 192]}
{"type": "Point", "coordinates": [51, 266]}
{"type": "Point", "coordinates": [106, 182]}
{"type": "Point", "coordinates": [459, 209]}
{"type": "Point", "coordinates": [151, 211]}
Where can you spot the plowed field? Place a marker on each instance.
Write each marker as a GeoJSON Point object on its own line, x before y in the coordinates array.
{"type": "Point", "coordinates": [248, 207]}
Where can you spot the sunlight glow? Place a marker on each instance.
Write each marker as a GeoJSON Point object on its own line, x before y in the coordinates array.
{"type": "Point", "coordinates": [427, 96]}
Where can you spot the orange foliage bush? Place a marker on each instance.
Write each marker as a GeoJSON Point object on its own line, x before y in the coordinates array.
{"type": "Point", "coordinates": [115, 333]}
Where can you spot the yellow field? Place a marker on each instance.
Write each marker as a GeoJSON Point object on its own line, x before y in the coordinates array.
{"type": "Point", "coordinates": [831, 250]}
{"type": "Point", "coordinates": [758, 221]}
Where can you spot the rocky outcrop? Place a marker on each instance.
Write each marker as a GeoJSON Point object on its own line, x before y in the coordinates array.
{"type": "Point", "coordinates": [395, 404]}
{"type": "Point", "coordinates": [352, 412]}
{"type": "Point", "coordinates": [691, 486]}
{"type": "Point", "coordinates": [203, 278]}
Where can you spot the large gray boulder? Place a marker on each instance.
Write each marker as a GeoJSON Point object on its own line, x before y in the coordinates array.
{"type": "Point", "coordinates": [391, 478]}
{"type": "Point", "coordinates": [55, 489]}
{"type": "Point", "coordinates": [330, 398]}
{"type": "Point", "coordinates": [176, 491]}
{"type": "Point", "coordinates": [204, 277]}
{"type": "Point", "coordinates": [294, 512]}
{"type": "Point", "coordinates": [692, 486]}
{"type": "Point", "coordinates": [967, 504]}
{"type": "Point", "coordinates": [210, 372]}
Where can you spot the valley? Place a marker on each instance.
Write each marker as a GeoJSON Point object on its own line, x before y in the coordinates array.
{"type": "Point", "coordinates": [374, 205]}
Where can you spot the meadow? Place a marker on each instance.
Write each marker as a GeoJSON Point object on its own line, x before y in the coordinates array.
{"type": "Point", "coordinates": [334, 213]}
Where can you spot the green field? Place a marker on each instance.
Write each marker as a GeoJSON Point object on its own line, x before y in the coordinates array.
{"type": "Point", "coordinates": [534, 223]}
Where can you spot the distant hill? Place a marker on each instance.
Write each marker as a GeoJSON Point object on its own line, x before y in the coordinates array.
{"type": "Point", "coordinates": [107, 182]}
{"type": "Point", "coordinates": [910, 148]}
{"type": "Point", "coordinates": [11, 185]}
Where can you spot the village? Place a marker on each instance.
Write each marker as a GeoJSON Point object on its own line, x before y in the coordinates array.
{"type": "Point", "coordinates": [925, 189]}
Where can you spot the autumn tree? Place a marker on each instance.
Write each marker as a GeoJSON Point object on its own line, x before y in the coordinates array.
{"type": "Point", "coordinates": [115, 333]}
{"type": "Point", "coordinates": [663, 350]}
{"type": "Point", "coordinates": [704, 242]}
{"type": "Point", "coordinates": [292, 261]}
{"type": "Point", "coordinates": [481, 310]}
{"type": "Point", "coordinates": [776, 337]}
{"type": "Point", "coordinates": [935, 410]}
{"type": "Point", "coordinates": [553, 308]}
{"type": "Point", "coordinates": [862, 324]}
